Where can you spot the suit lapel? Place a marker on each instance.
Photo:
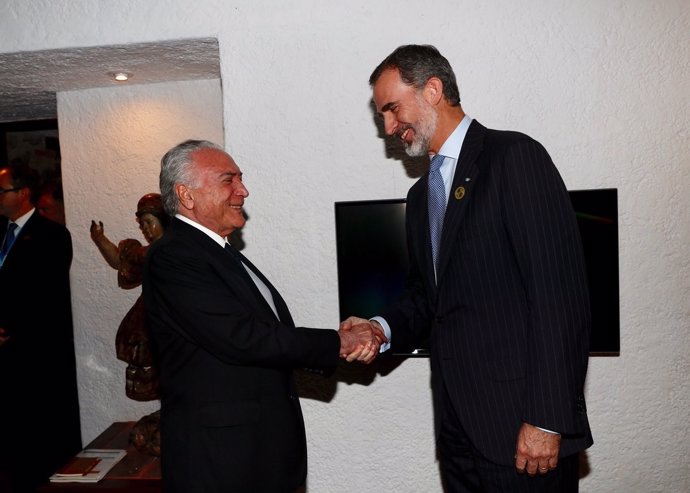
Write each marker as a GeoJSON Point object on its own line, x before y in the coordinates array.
{"type": "Point", "coordinates": [238, 278]}
{"type": "Point", "coordinates": [281, 306]}
{"type": "Point", "coordinates": [228, 268]}
{"type": "Point", "coordinates": [417, 217]}
{"type": "Point", "coordinates": [466, 173]}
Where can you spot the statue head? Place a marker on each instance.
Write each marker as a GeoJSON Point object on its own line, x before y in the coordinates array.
{"type": "Point", "coordinates": [151, 216]}
{"type": "Point", "coordinates": [151, 203]}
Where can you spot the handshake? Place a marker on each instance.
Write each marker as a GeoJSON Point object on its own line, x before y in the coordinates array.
{"type": "Point", "coordinates": [360, 339]}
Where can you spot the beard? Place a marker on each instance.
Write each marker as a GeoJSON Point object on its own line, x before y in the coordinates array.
{"type": "Point", "coordinates": [424, 130]}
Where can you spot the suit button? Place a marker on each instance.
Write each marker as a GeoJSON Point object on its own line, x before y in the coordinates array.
{"type": "Point", "coordinates": [438, 320]}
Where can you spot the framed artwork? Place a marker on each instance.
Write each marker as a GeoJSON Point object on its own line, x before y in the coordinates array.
{"type": "Point", "coordinates": [33, 143]}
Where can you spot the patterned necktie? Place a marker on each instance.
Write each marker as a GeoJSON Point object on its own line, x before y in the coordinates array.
{"type": "Point", "coordinates": [437, 204]}
{"type": "Point", "coordinates": [9, 239]}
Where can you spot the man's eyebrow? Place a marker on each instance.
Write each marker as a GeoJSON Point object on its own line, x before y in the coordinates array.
{"type": "Point", "coordinates": [387, 106]}
{"type": "Point", "coordinates": [231, 174]}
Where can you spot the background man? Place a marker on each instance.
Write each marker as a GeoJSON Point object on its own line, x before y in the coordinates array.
{"type": "Point", "coordinates": [39, 414]}
{"type": "Point", "coordinates": [497, 276]}
{"type": "Point", "coordinates": [50, 203]}
{"type": "Point", "coordinates": [230, 415]}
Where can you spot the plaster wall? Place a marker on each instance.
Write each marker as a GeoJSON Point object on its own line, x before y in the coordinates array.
{"type": "Point", "coordinates": [603, 85]}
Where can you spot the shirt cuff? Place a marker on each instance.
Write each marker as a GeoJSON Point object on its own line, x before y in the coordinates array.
{"type": "Point", "coordinates": [387, 332]}
{"type": "Point", "coordinates": [547, 431]}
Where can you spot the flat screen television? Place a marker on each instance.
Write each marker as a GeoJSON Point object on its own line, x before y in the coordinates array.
{"type": "Point", "coordinates": [372, 260]}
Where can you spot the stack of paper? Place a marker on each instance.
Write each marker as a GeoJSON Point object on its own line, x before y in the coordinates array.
{"type": "Point", "coordinates": [88, 466]}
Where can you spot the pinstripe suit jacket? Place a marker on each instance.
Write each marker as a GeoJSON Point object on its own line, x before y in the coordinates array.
{"type": "Point", "coordinates": [230, 415]}
{"type": "Point", "coordinates": [509, 316]}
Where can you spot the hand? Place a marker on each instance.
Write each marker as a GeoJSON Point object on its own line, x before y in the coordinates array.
{"type": "Point", "coordinates": [96, 230]}
{"type": "Point", "coordinates": [359, 342]}
{"type": "Point", "coordinates": [363, 353]}
{"type": "Point", "coordinates": [349, 322]}
{"type": "Point", "coordinates": [376, 327]}
{"type": "Point", "coordinates": [536, 450]}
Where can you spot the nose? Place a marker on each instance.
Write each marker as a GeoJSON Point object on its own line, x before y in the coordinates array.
{"type": "Point", "coordinates": [241, 190]}
{"type": "Point", "coordinates": [390, 124]}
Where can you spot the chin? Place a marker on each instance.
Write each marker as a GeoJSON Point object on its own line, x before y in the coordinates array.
{"type": "Point", "coordinates": [416, 149]}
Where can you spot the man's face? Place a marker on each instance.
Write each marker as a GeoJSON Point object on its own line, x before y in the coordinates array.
{"type": "Point", "coordinates": [218, 194]}
{"type": "Point", "coordinates": [50, 208]}
{"type": "Point", "coordinates": [10, 202]}
{"type": "Point", "coordinates": [405, 112]}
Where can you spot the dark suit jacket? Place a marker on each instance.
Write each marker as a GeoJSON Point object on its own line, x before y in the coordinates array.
{"type": "Point", "coordinates": [509, 317]}
{"type": "Point", "coordinates": [230, 416]}
{"type": "Point", "coordinates": [37, 362]}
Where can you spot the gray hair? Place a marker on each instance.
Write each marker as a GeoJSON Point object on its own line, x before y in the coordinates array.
{"type": "Point", "coordinates": [176, 168]}
{"type": "Point", "coordinates": [417, 64]}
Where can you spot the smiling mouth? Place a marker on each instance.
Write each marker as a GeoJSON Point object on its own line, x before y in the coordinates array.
{"type": "Point", "coordinates": [402, 135]}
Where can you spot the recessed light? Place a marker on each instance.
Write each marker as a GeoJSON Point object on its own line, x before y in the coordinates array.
{"type": "Point", "coordinates": [121, 76]}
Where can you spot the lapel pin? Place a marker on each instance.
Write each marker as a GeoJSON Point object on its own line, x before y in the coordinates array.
{"type": "Point", "coordinates": [459, 193]}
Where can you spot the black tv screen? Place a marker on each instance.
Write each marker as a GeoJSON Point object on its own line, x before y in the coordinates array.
{"type": "Point", "coordinates": [372, 260]}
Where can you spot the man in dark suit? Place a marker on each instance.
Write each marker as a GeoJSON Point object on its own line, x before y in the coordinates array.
{"type": "Point", "coordinates": [226, 343]}
{"type": "Point", "coordinates": [497, 280]}
{"type": "Point", "coordinates": [39, 414]}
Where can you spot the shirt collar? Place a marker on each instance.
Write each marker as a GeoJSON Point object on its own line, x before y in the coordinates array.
{"type": "Point", "coordinates": [211, 234]}
{"type": "Point", "coordinates": [21, 221]}
{"type": "Point", "coordinates": [451, 147]}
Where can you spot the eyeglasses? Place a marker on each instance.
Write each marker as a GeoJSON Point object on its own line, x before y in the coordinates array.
{"type": "Point", "coordinates": [5, 190]}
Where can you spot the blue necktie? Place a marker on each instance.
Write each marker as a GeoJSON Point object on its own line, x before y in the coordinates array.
{"type": "Point", "coordinates": [437, 204]}
{"type": "Point", "coordinates": [9, 239]}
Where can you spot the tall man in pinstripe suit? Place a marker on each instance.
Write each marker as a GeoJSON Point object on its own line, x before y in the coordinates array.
{"type": "Point", "coordinates": [505, 303]}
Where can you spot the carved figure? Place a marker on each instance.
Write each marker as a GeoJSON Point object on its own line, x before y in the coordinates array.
{"type": "Point", "coordinates": [132, 339]}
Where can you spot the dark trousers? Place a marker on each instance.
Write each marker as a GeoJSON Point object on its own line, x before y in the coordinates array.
{"type": "Point", "coordinates": [465, 470]}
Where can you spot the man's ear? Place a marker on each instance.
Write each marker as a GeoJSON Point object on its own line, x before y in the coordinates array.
{"type": "Point", "coordinates": [433, 91]}
{"type": "Point", "coordinates": [185, 196]}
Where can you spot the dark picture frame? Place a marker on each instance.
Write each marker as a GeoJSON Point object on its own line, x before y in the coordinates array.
{"type": "Point", "coordinates": [34, 143]}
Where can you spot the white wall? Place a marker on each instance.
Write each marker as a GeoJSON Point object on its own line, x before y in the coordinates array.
{"type": "Point", "coordinates": [603, 85]}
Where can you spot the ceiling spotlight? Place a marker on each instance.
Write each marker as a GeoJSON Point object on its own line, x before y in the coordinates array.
{"type": "Point", "coordinates": [121, 76]}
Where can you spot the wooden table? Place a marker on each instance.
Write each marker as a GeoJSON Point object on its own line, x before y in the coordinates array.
{"type": "Point", "coordinates": [135, 473]}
